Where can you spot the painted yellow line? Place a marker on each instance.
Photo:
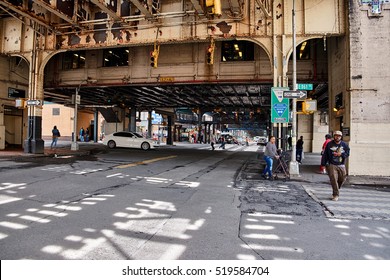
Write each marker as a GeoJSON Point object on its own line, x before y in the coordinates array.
{"type": "Point", "coordinates": [144, 162]}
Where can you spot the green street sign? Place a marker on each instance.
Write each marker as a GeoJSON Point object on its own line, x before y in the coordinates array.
{"type": "Point", "coordinates": [280, 107]}
{"type": "Point", "coordinates": [305, 86]}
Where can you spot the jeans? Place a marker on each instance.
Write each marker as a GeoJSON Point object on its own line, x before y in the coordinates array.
{"type": "Point", "coordinates": [268, 168]}
{"type": "Point", "coordinates": [54, 142]}
{"type": "Point", "coordinates": [299, 155]}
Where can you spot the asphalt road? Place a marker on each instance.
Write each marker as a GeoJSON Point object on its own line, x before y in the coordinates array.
{"type": "Point", "coordinates": [174, 203]}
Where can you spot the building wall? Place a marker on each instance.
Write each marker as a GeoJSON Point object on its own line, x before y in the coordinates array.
{"type": "Point", "coordinates": [63, 121]}
{"type": "Point", "coordinates": [13, 74]}
{"type": "Point", "coordinates": [320, 129]}
{"type": "Point", "coordinates": [369, 91]}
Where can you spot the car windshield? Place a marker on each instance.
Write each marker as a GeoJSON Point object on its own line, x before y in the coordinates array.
{"type": "Point", "coordinates": [137, 134]}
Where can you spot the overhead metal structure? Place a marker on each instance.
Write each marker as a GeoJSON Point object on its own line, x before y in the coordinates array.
{"type": "Point", "coordinates": [70, 19]}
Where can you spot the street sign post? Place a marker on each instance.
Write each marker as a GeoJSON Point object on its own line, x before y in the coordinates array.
{"type": "Point", "coordinates": [280, 107]}
{"type": "Point", "coordinates": [300, 94]}
{"type": "Point", "coordinates": [34, 102]}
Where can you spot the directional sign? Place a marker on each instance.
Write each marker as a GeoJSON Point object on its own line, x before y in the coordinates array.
{"type": "Point", "coordinates": [34, 102]}
{"type": "Point", "coordinates": [294, 94]}
{"type": "Point", "coordinates": [279, 106]}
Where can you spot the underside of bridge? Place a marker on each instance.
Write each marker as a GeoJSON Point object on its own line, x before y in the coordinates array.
{"type": "Point", "coordinates": [193, 95]}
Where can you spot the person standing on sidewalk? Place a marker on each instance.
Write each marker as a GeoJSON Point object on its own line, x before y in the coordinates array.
{"type": "Point", "coordinates": [328, 138]}
{"type": "Point", "coordinates": [299, 148]}
{"type": "Point", "coordinates": [55, 134]}
{"type": "Point", "coordinates": [269, 154]}
{"type": "Point", "coordinates": [334, 158]}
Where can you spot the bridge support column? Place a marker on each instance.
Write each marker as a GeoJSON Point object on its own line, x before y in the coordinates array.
{"type": "Point", "coordinates": [34, 142]}
{"type": "Point", "coordinates": [133, 115]}
{"type": "Point", "coordinates": [149, 124]}
{"type": "Point", "coordinates": [169, 136]}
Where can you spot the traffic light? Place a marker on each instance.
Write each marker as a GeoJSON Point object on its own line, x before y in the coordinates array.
{"type": "Point", "coordinates": [154, 57]}
{"type": "Point", "coordinates": [21, 103]}
{"type": "Point", "coordinates": [210, 55]}
{"type": "Point", "coordinates": [307, 106]}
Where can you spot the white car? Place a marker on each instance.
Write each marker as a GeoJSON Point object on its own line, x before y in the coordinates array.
{"type": "Point", "coordinates": [128, 139]}
{"type": "Point", "coordinates": [262, 140]}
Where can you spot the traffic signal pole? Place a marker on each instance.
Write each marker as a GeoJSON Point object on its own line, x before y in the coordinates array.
{"type": "Point", "coordinates": [294, 166]}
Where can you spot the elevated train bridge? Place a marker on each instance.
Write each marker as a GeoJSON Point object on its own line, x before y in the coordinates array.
{"type": "Point", "coordinates": [142, 55]}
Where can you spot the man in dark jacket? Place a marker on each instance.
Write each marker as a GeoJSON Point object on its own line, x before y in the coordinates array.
{"type": "Point", "coordinates": [299, 148]}
{"type": "Point", "coordinates": [334, 157]}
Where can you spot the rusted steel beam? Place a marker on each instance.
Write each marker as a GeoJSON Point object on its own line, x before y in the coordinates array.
{"type": "Point", "coordinates": [101, 4]}
{"type": "Point", "coordinates": [197, 7]}
{"type": "Point", "coordinates": [142, 8]}
{"type": "Point", "coordinates": [24, 13]}
{"type": "Point", "coordinates": [265, 6]}
{"type": "Point", "coordinates": [54, 11]}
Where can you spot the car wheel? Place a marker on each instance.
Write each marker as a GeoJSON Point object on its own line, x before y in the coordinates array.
{"type": "Point", "coordinates": [145, 146]}
{"type": "Point", "coordinates": [111, 144]}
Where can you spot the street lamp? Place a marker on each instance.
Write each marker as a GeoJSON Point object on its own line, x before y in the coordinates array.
{"type": "Point", "coordinates": [294, 166]}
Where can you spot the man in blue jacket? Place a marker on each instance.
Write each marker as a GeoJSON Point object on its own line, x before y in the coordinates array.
{"type": "Point", "coordinates": [334, 157]}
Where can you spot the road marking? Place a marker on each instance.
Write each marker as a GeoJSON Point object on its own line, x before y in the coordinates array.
{"type": "Point", "coordinates": [144, 162]}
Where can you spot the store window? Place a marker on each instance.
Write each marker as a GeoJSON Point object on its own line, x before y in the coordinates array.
{"type": "Point", "coordinates": [73, 60]}
{"type": "Point", "coordinates": [237, 51]}
{"type": "Point", "coordinates": [116, 57]}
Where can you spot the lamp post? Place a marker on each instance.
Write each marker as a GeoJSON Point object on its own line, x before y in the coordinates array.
{"type": "Point", "coordinates": [294, 166]}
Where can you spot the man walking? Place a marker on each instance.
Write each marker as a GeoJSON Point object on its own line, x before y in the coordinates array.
{"type": "Point", "coordinates": [334, 156]}
{"type": "Point", "coordinates": [299, 149]}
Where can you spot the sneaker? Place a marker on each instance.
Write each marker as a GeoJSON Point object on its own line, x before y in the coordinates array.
{"type": "Point", "coordinates": [265, 177]}
{"type": "Point", "coordinates": [271, 178]}
{"type": "Point", "coordinates": [335, 197]}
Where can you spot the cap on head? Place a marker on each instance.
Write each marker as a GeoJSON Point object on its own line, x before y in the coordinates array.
{"type": "Point", "coordinates": [337, 132]}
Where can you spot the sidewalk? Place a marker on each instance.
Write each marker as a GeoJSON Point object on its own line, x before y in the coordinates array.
{"type": "Point", "coordinates": [62, 149]}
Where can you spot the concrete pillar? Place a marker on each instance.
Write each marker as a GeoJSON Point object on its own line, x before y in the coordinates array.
{"type": "Point", "coordinates": [95, 126]}
{"type": "Point", "coordinates": [169, 136]}
{"type": "Point", "coordinates": [2, 128]}
{"type": "Point", "coordinates": [149, 124]}
{"type": "Point", "coordinates": [133, 114]}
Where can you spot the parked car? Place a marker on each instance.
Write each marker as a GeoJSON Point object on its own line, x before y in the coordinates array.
{"type": "Point", "coordinates": [128, 139]}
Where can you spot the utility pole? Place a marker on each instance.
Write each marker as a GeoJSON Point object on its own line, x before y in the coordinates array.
{"type": "Point", "coordinates": [75, 146]}
{"type": "Point", "coordinates": [294, 166]}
